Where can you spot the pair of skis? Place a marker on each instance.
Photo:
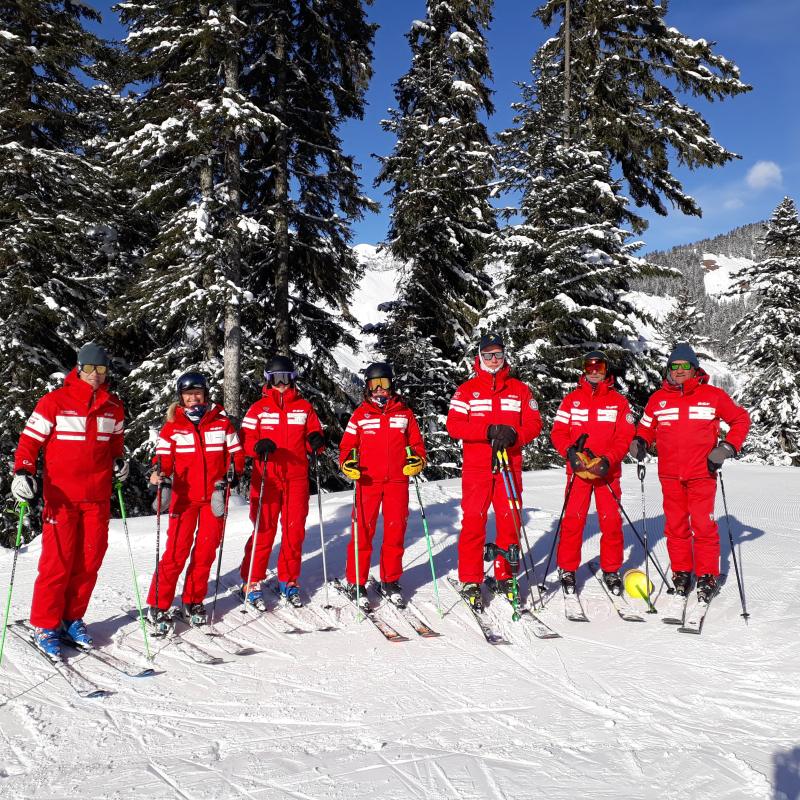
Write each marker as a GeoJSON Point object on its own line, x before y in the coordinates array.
{"type": "Point", "coordinates": [675, 613]}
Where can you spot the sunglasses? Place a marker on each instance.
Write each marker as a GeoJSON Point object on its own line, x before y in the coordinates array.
{"type": "Point", "coordinates": [379, 383]}
{"type": "Point", "coordinates": [680, 365]}
{"type": "Point", "coordinates": [595, 366]}
{"type": "Point", "coordinates": [499, 356]}
{"type": "Point", "coordinates": [276, 378]}
{"type": "Point", "coordinates": [88, 369]}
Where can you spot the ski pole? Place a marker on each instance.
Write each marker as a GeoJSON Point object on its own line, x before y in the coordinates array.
{"type": "Point", "coordinates": [21, 508]}
{"type": "Point", "coordinates": [518, 509]}
{"type": "Point", "coordinates": [640, 471]}
{"type": "Point", "coordinates": [118, 487]}
{"type": "Point", "coordinates": [354, 455]}
{"type": "Point", "coordinates": [733, 549]}
{"type": "Point", "coordinates": [321, 530]}
{"type": "Point", "coordinates": [158, 526]}
{"type": "Point", "coordinates": [427, 539]}
{"type": "Point", "coordinates": [231, 474]}
{"type": "Point", "coordinates": [255, 534]}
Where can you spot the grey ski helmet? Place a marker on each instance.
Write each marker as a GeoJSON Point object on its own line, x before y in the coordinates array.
{"type": "Point", "coordinates": [191, 380]}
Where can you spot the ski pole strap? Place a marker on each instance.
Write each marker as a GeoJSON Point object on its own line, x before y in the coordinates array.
{"type": "Point", "coordinates": [641, 470]}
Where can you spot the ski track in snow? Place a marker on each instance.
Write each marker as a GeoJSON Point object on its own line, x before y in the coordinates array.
{"type": "Point", "coordinates": [611, 710]}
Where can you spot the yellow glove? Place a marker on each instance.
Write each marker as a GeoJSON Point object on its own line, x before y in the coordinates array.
{"type": "Point", "coordinates": [351, 470]}
{"type": "Point", "coordinates": [414, 464]}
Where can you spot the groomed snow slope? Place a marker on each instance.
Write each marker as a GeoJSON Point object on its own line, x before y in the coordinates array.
{"type": "Point", "coordinates": [611, 710]}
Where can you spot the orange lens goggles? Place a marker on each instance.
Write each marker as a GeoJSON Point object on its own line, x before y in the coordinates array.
{"type": "Point", "coordinates": [379, 383]}
{"type": "Point", "coordinates": [595, 365]}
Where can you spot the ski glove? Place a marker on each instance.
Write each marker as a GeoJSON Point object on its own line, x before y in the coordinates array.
{"type": "Point", "coordinates": [717, 456]}
{"type": "Point", "coordinates": [589, 466]}
{"type": "Point", "coordinates": [638, 448]}
{"type": "Point", "coordinates": [264, 447]}
{"type": "Point", "coordinates": [121, 469]}
{"type": "Point", "coordinates": [231, 478]}
{"type": "Point", "coordinates": [24, 486]}
{"type": "Point", "coordinates": [218, 499]}
{"type": "Point", "coordinates": [166, 496]}
{"type": "Point", "coordinates": [501, 437]}
{"type": "Point", "coordinates": [316, 441]}
{"type": "Point", "coordinates": [414, 464]}
{"type": "Point", "coordinates": [574, 460]}
{"type": "Point", "coordinates": [350, 468]}
{"type": "Point", "coordinates": [598, 466]}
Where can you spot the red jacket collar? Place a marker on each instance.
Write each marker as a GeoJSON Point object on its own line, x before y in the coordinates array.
{"type": "Point", "coordinates": [496, 381]}
{"type": "Point", "coordinates": [394, 403]}
{"type": "Point", "coordinates": [280, 400]}
{"type": "Point", "coordinates": [83, 390]}
{"type": "Point", "coordinates": [687, 387]}
{"type": "Point", "coordinates": [603, 388]}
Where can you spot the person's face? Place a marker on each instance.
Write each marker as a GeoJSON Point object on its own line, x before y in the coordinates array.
{"type": "Point", "coordinates": [281, 387]}
{"type": "Point", "coordinates": [93, 378]}
{"type": "Point", "coordinates": [595, 371]}
{"type": "Point", "coordinates": [490, 357]}
{"type": "Point", "coordinates": [193, 397]}
{"type": "Point", "coordinates": [680, 373]}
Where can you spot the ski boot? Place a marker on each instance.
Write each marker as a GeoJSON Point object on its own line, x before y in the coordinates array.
{"type": "Point", "coordinates": [160, 620]}
{"type": "Point", "coordinates": [48, 642]}
{"type": "Point", "coordinates": [613, 583]}
{"type": "Point", "coordinates": [194, 614]}
{"type": "Point", "coordinates": [74, 632]}
{"type": "Point", "coordinates": [254, 595]}
{"type": "Point", "coordinates": [567, 579]}
{"type": "Point", "coordinates": [682, 582]}
{"type": "Point", "coordinates": [471, 592]}
{"type": "Point", "coordinates": [392, 590]}
{"type": "Point", "coordinates": [506, 586]}
{"type": "Point", "coordinates": [291, 591]}
{"type": "Point", "coordinates": [706, 586]}
{"type": "Point", "coordinates": [360, 597]}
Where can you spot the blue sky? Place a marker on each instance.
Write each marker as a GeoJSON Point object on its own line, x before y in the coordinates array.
{"type": "Point", "coordinates": [762, 126]}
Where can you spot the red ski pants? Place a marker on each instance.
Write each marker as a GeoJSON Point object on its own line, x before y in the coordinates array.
{"type": "Point", "coordinates": [688, 510]}
{"type": "Point", "coordinates": [611, 539]}
{"type": "Point", "coordinates": [479, 490]}
{"type": "Point", "coordinates": [74, 541]}
{"type": "Point", "coordinates": [393, 496]}
{"type": "Point", "coordinates": [185, 517]}
{"type": "Point", "coordinates": [289, 501]}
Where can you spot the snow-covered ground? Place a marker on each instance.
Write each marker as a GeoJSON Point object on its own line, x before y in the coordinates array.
{"type": "Point", "coordinates": [612, 709]}
{"type": "Point", "coordinates": [719, 271]}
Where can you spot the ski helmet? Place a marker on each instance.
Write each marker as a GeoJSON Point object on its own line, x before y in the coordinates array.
{"type": "Point", "coordinates": [381, 374]}
{"type": "Point", "coordinates": [280, 369]}
{"type": "Point", "coordinates": [192, 380]}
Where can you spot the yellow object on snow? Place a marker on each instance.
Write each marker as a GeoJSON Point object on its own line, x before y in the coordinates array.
{"type": "Point", "coordinates": [635, 584]}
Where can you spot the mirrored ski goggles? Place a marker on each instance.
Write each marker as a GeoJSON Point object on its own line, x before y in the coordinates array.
{"type": "Point", "coordinates": [276, 378]}
{"type": "Point", "coordinates": [88, 369]}
{"type": "Point", "coordinates": [379, 383]}
{"type": "Point", "coordinates": [498, 356]}
{"type": "Point", "coordinates": [595, 365]}
{"type": "Point", "coordinates": [676, 365]}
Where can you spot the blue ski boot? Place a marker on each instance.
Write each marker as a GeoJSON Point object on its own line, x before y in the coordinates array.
{"type": "Point", "coordinates": [74, 632]}
{"type": "Point", "coordinates": [254, 595]}
{"type": "Point", "coordinates": [291, 591]}
{"type": "Point", "coordinates": [47, 640]}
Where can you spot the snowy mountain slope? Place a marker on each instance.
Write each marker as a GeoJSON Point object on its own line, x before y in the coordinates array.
{"type": "Point", "coordinates": [718, 272]}
{"type": "Point", "coordinates": [611, 710]}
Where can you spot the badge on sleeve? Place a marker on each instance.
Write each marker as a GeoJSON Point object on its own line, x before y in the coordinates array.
{"type": "Point", "coordinates": [533, 405]}
{"type": "Point", "coordinates": [629, 419]}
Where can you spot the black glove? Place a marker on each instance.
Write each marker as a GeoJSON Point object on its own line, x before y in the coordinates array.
{"type": "Point", "coordinates": [316, 441]}
{"type": "Point", "coordinates": [717, 456]}
{"type": "Point", "coordinates": [501, 437]}
{"type": "Point", "coordinates": [638, 448]}
{"type": "Point", "coordinates": [574, 460]}
{"type": "Point", "coordinates": [264, 447]}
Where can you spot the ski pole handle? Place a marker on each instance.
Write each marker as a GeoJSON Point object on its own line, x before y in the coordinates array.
{"type": "Point", "coordinates": [580, 443]}
{"type": "Point", "coordinates": [641, 470]}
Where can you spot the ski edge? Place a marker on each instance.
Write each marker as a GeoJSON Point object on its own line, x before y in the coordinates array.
{"type": "Point", "coordinates": [387, 630]}
{"type": "Point", "coordinates": [541, 630]}
{"type": "Point", "coordinates": [412, 617]}
{"type": "Point", "coordinates": [490, 635]}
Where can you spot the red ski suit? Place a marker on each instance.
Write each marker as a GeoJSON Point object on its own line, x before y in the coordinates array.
{"type": "Point", "coordinates": [605, 415]}
{"type": "Point", "coordinates": [482, 401]}
{"type": "Point", "coordinates": [380, 436]}
{"type": "Point", "coordinates": [684, 421]}
{"type": "Point", "coordinates": [287, 419]}
{"type": "Point", "coordinates": [81, 433]}
{"type": "Point", "coordinates": [196, 457]}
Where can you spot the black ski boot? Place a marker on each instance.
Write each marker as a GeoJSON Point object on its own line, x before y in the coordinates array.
{"type": "Point", "coordinates": [567, 579]}
{"type": "Point", "coordinates": [683, 583]}
{"type": "Point", "coordinates": [472, 594]}
{"type": "Point", "coordinates": [393, 592]}
{"type": "Point", "coordinates": [194, 614]}
{"type": "Point", "coordinates": [706, 586]}
{"type": "Point", "coordinates": [506, 587]}
{"type": "Point", "coordinates": [160, 620]}
{"type": "Point", "coordinates": [360, 597]}
{"type": "Point", "coordinates": [613, 582]}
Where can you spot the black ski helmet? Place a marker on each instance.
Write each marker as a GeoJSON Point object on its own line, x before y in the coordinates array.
{"type": "Point", "coordinates": [279, 364]}
{"type": "Point", "coordinates": [379, 369]}
{"type": "Point", "coordinates": [192, 380]}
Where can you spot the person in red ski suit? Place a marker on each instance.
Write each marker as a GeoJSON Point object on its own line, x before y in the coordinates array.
{"type": "Point", "coordinates": [278, 433]}
{"type": "Point", "coordinates": [388, 447]}
{"type": "Point", "coordinates": [80, 429]}
{"type": "Point", "coordinates": [683, 419]}
{"type": "Point", "coordinates": [194, 448]}
{"type": "Point", "coordinates": [597, 409]}
{"type": "Point", "coordinates": [490, 412]}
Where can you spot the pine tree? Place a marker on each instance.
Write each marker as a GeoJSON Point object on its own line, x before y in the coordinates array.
{"type": "Point", "coordinates": [682, 325]}
{"type": "Point", "coordinates": [56, 243]}
{"type": "Point", "coordinates": [440, 176]}
{"type": "Point", "coordinates": [768, 352]}
{"type": "Point", "coordinates": [623, 62]}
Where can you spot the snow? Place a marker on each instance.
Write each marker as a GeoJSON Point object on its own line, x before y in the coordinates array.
{"type": "Point", "coordinates": [612, 709]}
{"type": "Point", "coordinates": [719, 270]}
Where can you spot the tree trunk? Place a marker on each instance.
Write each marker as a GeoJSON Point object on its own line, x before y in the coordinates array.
{"type": "Point", "coordinates": [209, 315]}
{"type": "Point", "coordinates": [566, 70]}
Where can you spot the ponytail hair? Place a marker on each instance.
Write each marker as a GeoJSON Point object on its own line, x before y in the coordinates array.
{"type": "Point", "coordinates": [171, 411]}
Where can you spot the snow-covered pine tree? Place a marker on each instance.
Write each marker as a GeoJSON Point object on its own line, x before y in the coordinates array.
{"type": "Point", "coordinates": [440, 176]}
{"type": "Point", "coordinates": [623, 62]}
{"type": "Point", "coordinates": [682, 324]}
{"type": "Point", "coordinates": [568, 260]}
{"type": "Point", "coordinates": [768, 341]}
{"type": "Point", "coordinates": [55, 242]}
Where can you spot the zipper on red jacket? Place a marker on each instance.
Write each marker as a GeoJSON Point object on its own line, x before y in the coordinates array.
{"type": "Point", "coordinates": [202, 450]}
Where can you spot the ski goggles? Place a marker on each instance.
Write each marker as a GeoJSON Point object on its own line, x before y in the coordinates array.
{"type": "Point", "coordinates": [595, 365]}
{"type": "Point", "coordinates": [379, 383]}
{"type": "Point", "coordinates": [88, 369]}
{"type": "Point", "coordinates": [498, 356]}
{"type": "Point", "coordinates": [276, 378]}
{"type": "Point", "coordinates": [676, 365]}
